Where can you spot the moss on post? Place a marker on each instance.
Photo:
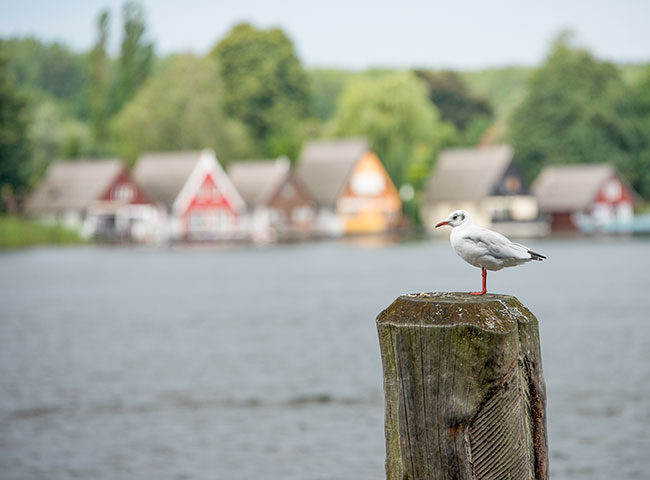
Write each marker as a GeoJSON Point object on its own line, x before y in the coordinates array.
{"type": "Point", "coordinates": [464, 391]}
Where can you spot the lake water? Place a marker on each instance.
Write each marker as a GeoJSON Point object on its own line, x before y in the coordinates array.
{"type": "Point", "coordinates": [263, 363]}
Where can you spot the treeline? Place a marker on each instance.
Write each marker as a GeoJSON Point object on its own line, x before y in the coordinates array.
{"type": "Point", "coordinates": [250, 97]}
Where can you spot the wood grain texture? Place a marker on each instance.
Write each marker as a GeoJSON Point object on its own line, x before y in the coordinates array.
{"type": "Point", "coordinates": [464, 389]}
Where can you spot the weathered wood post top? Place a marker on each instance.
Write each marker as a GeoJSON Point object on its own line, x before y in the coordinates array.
{"type": "Point", "coordinates": [463, 386]}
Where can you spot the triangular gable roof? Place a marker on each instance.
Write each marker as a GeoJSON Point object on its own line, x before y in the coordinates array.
{"type": "Point", "coordinates": [163, 174]}
{"type": "Point", "coordinates": [468, 173]}
{"type": "Point", "coordinates": [257, 180]}
{"type": "Point", "coordinates": [208, 164]}
{"type": "Point", "coordinates": [572, 187]}
{"type": "Point", "coordinates": [173, 178]}
{"type": "Point", "coordinates": [73, 185]}
{"type": "Point", "coordinates": [324, 167]}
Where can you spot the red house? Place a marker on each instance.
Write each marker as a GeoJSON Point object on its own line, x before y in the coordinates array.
{"type": "Point", "coordinates": [584, 197]}
{"type": "Point", "coordinates": [200, 201]}
{"type": "Point", "coordinates": [98, 197]}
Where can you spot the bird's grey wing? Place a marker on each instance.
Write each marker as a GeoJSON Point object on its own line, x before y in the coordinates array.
{"type": "Point", "coordinates": [495, 244]}
{"type": "Point", "coordinates": [533, 255]}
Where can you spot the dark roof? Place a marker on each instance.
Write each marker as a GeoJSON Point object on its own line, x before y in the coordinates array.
{"type": "Point", "coordinates": [257, 180]}
{"type": "Point", "coordinates": [163, 175]}
{"type": "Point", "coordinates": [468, 173]}
{"type": "Point", "coordinates": [571, 187]}
{"type": "Point", "coordinates": [73, 185]}
{"type": "Point", "coordinates": [324, 167]}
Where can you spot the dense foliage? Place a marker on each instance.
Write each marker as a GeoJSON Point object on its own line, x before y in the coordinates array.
{"type": "Point", "coordinates": [456, 103]}
{"type": "Point", "coordinates": [14, 142]}
{"type": "Point", "coordinates": [49, 68]}
{"type": "Point", "coordinates": [394, 113]}
{"type": "Point", "coordinates": [136, 57]}
{"type": "Point", "coordinates": [267, 87]}
{"type": "Point", "coordinates": [180, 109]}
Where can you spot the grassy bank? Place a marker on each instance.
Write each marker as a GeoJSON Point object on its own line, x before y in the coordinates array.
{"type": "Point", "coordinates": [20, 232]}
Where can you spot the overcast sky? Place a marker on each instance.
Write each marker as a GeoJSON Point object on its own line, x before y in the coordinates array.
{"type": "Point", "coordinates": [361, 34]}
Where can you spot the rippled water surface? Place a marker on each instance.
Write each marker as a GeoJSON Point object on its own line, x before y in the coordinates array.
{"type": "Point", "coordinates": [263, 363]}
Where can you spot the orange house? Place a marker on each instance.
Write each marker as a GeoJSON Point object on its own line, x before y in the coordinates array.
{"type": "Point", "coordinates": [354, 192]}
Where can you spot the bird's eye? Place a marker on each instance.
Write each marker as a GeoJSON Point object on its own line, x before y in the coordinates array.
{"type": "Point", "coordinates": [455, 217]}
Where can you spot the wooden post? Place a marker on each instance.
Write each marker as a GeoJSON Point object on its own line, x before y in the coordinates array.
{"type": "Point", "coordinates": [464, 392]}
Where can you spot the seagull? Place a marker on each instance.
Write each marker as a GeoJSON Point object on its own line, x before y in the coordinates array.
{"type": "Point", "coordinates": [484, 248]}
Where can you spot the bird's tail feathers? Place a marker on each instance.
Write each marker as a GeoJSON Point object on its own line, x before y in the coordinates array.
{"type": "Point", "coordinates": [536, 256]}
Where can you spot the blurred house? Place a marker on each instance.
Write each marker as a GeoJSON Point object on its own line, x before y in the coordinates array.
{"type": "Point", "coordinates": [199, 200]}
{"type": "Point", "coordinates": [351, 187]}
{"type": "Point", "coordinates": [97, 197]}
{"type": "Point", "coordinates": [584, 197]}
{"type": "Point", "coordinates": [485, 182]}
{"type": "Point", "coordinates": [278, 206]}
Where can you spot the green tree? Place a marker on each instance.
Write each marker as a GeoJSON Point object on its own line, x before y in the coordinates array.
{"type": "Point", "coordinates": [504, 88]}
{"type": "Point", "coordinates": [179, 108]}
{"type": "Point", "coordinates": [136, 56]}
{"type": "Point", "coordinates": [394, 112]}
{"type": "Point", "coordinates": [54, 133]}
{"type": "Point", "coordinates": [99, 81]}
{"type": "Point", "coordinates": [630, 132]}
{"type": "Point", "coordinates": [50, 68]}
{"type": "Point", "coordinates": [454, 101]}
{"type": "Point", "coordinates": [327, 85]}
{"type": "Point", "coordinates": [569, 113]}
{"type": "Point", "coordinates": [15, 168]}
{"type": "Point", "coordinates": [268, 90]}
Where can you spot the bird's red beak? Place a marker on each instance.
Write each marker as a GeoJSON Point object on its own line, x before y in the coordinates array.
{"type": "Point", "coordinates": [442, 223]}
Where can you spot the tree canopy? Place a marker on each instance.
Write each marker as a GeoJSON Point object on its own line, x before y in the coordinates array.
{"type": "Point", "coordinates": [99, 81]}
{"type": "Point", "coordinates": [578, 110]}
{"type": "Point", "coordinates": [456, 104]}
{"type": "Point", "coordinates": [268, 89]}
{"type": "Point", "coordinates": [393, 111]}
{"type": "Point", "coordinates": [49, 67]}
{"type": "Point", "coordinates": [180, 108]}
{"type": "Point", "coordinates": [15, 169]}
{"type": "Point", "coordinates": [136, 56]}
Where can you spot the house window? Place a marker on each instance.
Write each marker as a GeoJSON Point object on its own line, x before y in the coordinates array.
{"type": "Point", "coordinates": [123, 192]}
{"type": "Point", "coordinates": [196, 221]}
{"type": "Point", "coordinates": [208, 193]}
{"type": "Point", "coordinates": [368, 183]}
{"type": "Point", "coordinates": [288, 191]}
{"type": "Point", "coordinates": [512, 184]}
{"type": "Point", "coordinates": [221, 220]}
{"type": "Point", "coordinates": [301, 214]}
{"type": "Point", "coordinates": [210, 221]}
{"type": "Point", "coordinates": [612, 190]}
{"type": "Point", "coordinates": [501, 214]}
{"type": "Point", "coordinates": [276, 216]}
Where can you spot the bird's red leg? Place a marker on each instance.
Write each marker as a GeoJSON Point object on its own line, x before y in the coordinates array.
{"type": "Point", "coordinates": [484, 275]}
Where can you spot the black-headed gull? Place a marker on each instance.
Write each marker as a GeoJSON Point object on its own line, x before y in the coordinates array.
{"type": "Point", "coordinates": [484, 248]}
